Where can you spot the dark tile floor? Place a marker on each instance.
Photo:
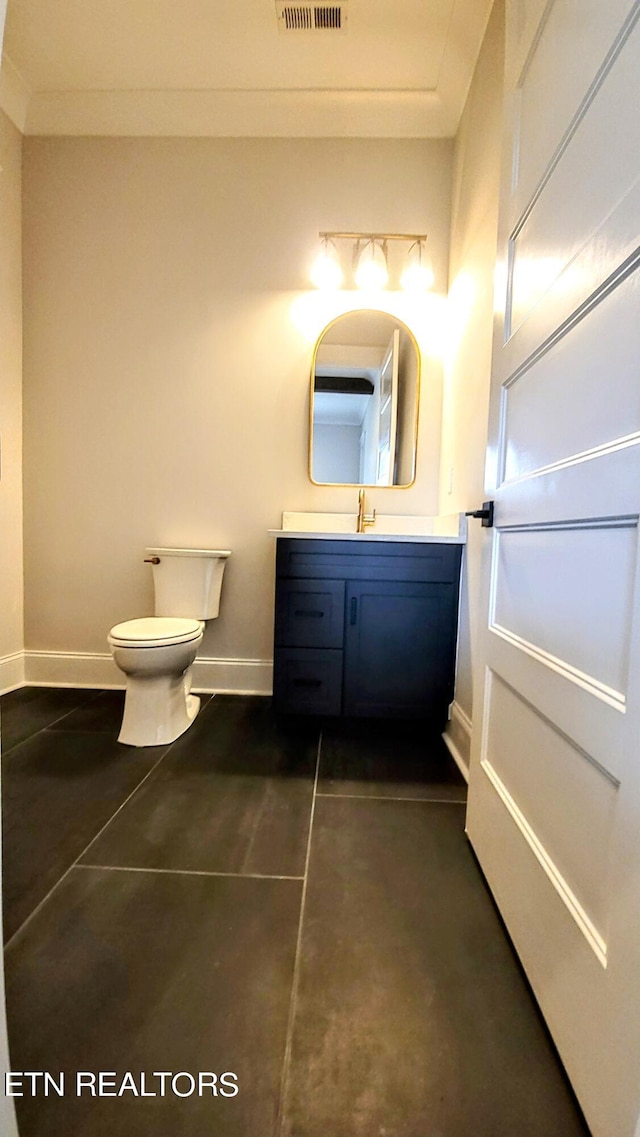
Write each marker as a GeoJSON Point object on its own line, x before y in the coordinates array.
{"type": "Point", "coordinates": [292, 902]}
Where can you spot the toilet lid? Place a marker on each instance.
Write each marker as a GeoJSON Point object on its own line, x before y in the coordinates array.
{"type": "Point", "coordinates": [155, 630]}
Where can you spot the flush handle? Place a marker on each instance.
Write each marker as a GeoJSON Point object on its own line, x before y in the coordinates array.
{"type": "Point", "coordinates": [152, 560]}
{"type": "Point", "coordinates": [353, 614]}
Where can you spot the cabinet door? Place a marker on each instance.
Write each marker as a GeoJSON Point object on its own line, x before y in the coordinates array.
{"type": "Point", "coordinates": [399, 649]}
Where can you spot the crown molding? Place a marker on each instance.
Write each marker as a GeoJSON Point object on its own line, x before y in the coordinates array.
{"type": "Point", "coordinates": [321, 112]}
{"type": "Point", "coordinates": [241, 113]}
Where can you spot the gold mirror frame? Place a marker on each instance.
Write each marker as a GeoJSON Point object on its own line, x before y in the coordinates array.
{"type": "Point", "coordinates": [399, 324]}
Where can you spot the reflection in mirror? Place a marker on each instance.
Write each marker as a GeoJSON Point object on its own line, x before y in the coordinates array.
{"type": "Point", "coordinates": [365, 383]}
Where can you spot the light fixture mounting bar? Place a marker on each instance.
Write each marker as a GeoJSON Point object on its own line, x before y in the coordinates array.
{"type": "Point", "coordinates": [373, 236]}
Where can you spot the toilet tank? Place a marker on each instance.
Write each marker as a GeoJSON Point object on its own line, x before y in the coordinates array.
{"type": "Point", "coordinates": [187, 582]}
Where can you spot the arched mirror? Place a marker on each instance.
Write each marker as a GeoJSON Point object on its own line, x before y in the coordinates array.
{"type": "Point", "coordinates": [365, 386]}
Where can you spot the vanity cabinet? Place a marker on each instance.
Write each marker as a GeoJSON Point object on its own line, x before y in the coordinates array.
{"type": "Point", "coordinates": [365, 628]}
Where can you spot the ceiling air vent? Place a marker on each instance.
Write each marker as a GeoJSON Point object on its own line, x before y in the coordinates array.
{"type": "Point", "coordinates": [311, 16]}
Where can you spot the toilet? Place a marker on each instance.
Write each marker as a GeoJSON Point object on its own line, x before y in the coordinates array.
{"type": "Point", "coordinates": [156, 652]}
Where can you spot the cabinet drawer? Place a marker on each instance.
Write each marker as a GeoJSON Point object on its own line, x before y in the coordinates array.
{"type": "Point", "coordinates": [305, 559]}
{"type": "Point", "coordinates": [308, 681]}
{"type": "Point", "coordinates": [310, 613]}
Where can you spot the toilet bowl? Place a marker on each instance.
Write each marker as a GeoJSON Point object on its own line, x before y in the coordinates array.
{"type": "Point", "coordinates": [156, 656]}
{"type": "Point", "coordinates": [156, 653]}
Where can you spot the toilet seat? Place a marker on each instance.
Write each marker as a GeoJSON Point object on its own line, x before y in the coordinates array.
{"type": "Point", "coordinates": [155, 631]}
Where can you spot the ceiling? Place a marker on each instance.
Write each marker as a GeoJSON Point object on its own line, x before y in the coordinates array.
{"type": "Point", "coordinates": [398, 68]}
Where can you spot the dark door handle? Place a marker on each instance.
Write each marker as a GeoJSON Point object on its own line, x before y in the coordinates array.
{"type": "Point", "coordinates": [485, 514]}
{"type": "Point", "coordinates": [353, 610]}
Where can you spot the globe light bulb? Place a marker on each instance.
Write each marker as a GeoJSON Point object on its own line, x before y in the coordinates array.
{"type": "Point", "coordinates": [371, 272]}
{"type": "Point", "coordinates": [418, 274]}
{"type": "Point", "coordinates": [326, 272]}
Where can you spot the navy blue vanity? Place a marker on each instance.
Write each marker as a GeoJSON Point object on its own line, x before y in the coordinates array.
{"type": "Point", "coordinates": [365, 627]}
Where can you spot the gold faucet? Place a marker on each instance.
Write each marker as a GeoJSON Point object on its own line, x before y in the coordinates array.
{"type": "Point", "coordinates": [364, 519]}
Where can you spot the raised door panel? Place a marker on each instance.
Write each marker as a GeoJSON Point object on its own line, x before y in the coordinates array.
{"type": "Point", "coordinates": [551, 83]}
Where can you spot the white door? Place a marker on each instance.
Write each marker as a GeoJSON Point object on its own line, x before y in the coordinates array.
{"type": "Point", "coordinates": [554, 801]}
{"type": "Point", "coordinates": [388, 413]}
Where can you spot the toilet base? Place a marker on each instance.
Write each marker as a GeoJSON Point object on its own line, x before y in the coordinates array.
{"type": "Point", "coordinates": [157, 709]}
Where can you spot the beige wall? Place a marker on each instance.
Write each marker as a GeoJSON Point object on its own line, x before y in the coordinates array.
{"type": "Point", "coordinates": [168, 337]}
{"type": "Point", "coordinates": [10, 490]}
{"type": "Point", "coordinates": [470, 322]}
{"type": "Point", "coordinates": [11, 576]}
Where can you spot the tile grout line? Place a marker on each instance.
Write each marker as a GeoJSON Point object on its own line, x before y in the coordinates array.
{"type": "Point", "coordinates": [188, 872]}
{"type": "Point", "coordinates": [65, 874]}
{"type": "Point", "coordinates": [286, 1061]}
{"type": "Point", "coordinates": [48, 726]}
{"type": "Point", "coordinates": [54, 722]}
{"type": "Point", "coordinates": [388, 797]}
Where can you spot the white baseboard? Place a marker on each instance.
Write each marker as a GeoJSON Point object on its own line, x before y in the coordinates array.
{"type": "Point", "coordinates": [97, 670]}
{"type": "Point", "coordinates": [233, 676]}
{"type": "Point", "coordinates": [11, 672]}
{"type": "Point", "coordinates": [71, 669]}
{"type": "Point", "coordinates": [457, 738]}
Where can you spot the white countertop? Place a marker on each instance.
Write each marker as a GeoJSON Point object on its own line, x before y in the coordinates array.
{"type": "Point", "coordinates": [370, 535]}
{"type": "Point", "coordinates": [449, 529]}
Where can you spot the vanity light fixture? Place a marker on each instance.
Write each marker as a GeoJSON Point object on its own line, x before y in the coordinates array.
{"type": "Point", "coordinates": [369, 260]}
